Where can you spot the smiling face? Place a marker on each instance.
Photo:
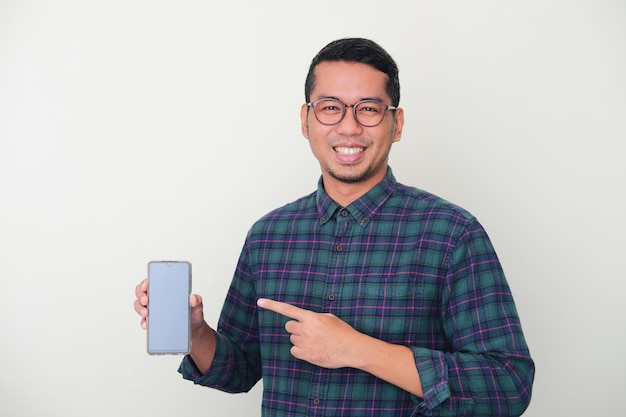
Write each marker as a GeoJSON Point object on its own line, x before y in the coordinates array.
{"type": "Point", "coordinates": [353, 158]}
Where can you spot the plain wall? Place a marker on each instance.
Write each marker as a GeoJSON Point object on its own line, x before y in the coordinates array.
{"type": "Point", "coordinates": [141, 130]}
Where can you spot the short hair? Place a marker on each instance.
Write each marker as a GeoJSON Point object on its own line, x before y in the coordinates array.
{"type": "Point", "coordinates": [359, 50]}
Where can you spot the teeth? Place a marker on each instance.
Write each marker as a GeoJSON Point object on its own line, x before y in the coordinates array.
{"type": "Point", "coordinates": [348, 151]}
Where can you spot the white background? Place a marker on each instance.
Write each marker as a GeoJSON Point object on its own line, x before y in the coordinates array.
{"type": "Point", "coordinates": [141, 130]}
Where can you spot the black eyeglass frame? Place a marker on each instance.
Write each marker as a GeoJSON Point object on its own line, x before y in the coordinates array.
{"type": "Point", "coordinates": [343, 106]}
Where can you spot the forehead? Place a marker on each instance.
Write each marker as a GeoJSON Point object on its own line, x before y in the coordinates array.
{"type": "Point", "coordinates": [349, 81]}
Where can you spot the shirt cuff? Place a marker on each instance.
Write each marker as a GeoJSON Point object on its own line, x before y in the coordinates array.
{"type": "Point", "coordinates": [190, 371]}
{"type": "Point", "coordinates": [433, 372]}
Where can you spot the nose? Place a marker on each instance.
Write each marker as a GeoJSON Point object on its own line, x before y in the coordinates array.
{"type": "Point", "coordinates": [349, 125]}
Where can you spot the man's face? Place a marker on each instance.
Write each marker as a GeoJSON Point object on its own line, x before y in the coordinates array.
{"type": "Point", "coordinates": [349, 152]}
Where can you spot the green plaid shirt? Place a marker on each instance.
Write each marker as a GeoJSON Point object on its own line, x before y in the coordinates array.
{"type": "Point", "coordinates": [398, 264]}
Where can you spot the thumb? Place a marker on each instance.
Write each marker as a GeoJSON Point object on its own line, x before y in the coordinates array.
{"type": "Point", "coordinates": [197, 313]}
{"type": "Point", "coordinates": [195, 300]}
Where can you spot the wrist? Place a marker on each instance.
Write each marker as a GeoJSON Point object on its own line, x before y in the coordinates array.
{"type": "Point", "coordinates": [364, 352]}
{"type": "Point", "coordinates": [203, 342]}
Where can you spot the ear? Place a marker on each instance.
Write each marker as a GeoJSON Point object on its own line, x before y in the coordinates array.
{"type": "Point", "coordinates": [398, 125]}
{"type": "Point", "coordinates": [304, 120]}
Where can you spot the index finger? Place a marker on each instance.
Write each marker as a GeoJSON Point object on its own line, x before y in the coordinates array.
{"type": "Point", "coordinates": [141, 288]}
{"type": "Point", "coordinates": [285, 309]}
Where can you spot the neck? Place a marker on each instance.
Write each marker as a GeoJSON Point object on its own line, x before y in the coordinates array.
{"type": "Point", "coordinates": [345, 193]}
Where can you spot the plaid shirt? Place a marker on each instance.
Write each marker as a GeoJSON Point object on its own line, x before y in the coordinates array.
{"type": "Point", "coordinates": [398, 264]}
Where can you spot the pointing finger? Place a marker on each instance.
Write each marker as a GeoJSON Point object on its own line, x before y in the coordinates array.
{"type": "Point", "coordinates": [285, 309]}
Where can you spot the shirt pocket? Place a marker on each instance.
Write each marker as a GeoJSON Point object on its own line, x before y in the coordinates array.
{"type": "Point", "coordinates": [394, 288]}
{"type": "Point", "coordinates": [387, 308]}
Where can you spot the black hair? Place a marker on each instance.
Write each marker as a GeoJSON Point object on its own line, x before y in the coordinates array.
{"type": "Point", "coordinates": [359, 50]}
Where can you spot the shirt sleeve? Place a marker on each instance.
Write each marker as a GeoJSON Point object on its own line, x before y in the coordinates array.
{"type": "Point", "coordinates": [488, 370]}
{"type": "Point", "coordinates": [236, 366]}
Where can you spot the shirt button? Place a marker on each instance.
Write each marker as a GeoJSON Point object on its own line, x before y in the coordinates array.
{"type": "Point", "coordinates": [344, 213]}
{"type": "Point", "coordinates": [331, 297]}
{"type": "Point", "coordinates": [339, 248]}
{"type": "Point", "coordinates": [316, 401]}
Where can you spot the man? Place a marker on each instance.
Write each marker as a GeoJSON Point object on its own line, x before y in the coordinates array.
{"type": "Point", "coordinates": [366, 297]}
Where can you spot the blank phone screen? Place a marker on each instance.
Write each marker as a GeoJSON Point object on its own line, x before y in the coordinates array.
{"type": "Point", "coordinates": [169, 286]}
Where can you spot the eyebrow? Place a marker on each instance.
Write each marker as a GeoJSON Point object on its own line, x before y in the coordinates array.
{"type": "Point", "coordinates": [322, 97]}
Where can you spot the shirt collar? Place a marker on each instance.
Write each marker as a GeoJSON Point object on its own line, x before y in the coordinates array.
{"type": "Point", "coordinates": [363, 209]}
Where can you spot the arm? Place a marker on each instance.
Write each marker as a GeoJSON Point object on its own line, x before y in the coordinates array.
{"type": "Point", "coordinates": [228, 358]}
{"type": "Point", "coordinates": [327, 341]}
{"type": "Point", "coordinates": [486, 364]}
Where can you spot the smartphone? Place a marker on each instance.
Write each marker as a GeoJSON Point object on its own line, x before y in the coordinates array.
{"type": "Point", "coordinates": [169, 313]}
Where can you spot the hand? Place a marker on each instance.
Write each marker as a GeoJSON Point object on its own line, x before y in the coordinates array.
{"type": "Point", "coordinates": [202, 336]}
{"type": "Point", "coordinates": [141, 306]}
{"type": "Point", "coordinates": [322, 339]}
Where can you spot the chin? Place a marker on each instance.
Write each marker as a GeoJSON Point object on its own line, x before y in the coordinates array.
{"type": "Point", "coordinates": [349, 177]}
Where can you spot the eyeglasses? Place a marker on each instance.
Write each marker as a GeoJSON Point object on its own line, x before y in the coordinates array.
{"type": "Point", "coordinates": [331, 111]}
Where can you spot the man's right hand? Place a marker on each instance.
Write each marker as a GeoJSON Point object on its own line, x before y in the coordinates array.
{"type": "Point", "coordinates": [141, 307]}
{"type": "Point", "coordinates": [202, 336]}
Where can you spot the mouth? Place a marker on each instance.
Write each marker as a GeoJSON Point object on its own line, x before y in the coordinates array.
{"type": "Point", "coordinates": [344, 150]}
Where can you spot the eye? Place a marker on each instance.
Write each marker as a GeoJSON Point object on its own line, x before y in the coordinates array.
{"type": "Point", "coordinates": [370, 107]}
{"type": "Point", "coordinates": [328, 106]}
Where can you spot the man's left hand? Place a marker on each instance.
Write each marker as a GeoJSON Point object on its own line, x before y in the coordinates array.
{"type": "Point", "coordinates": [322, 339]}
